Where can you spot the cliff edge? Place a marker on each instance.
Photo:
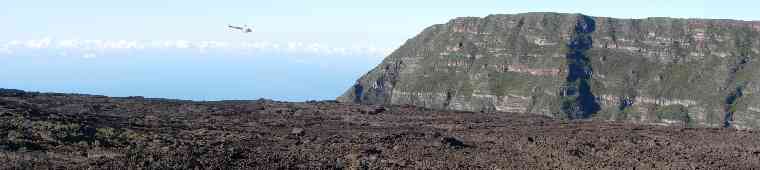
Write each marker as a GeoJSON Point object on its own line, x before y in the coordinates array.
{"type": "Point", "coordinates": [691, 72]}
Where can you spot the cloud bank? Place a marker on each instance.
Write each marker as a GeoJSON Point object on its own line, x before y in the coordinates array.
{"type": "Point", "coordinates": [92, 48]}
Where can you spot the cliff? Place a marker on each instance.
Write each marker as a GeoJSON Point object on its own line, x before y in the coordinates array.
{"type": "Point", "coordinates": [692, 72]}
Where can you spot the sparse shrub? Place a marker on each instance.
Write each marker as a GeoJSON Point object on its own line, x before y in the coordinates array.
{"type": "Point", "coordinates": [113, 137]}
{"type": "Point", "coordinates": [626, 114]}
{"type": "Point", "coordinates": [674, 112]}
{"type": "Point", "coordinates": [106, 133]}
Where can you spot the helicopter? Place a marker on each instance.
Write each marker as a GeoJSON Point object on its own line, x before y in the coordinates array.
{"type": "Point", "coordinates": [244, 28]}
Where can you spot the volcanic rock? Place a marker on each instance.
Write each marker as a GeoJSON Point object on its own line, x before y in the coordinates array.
{"type": "Point", "coordinates": [667, 71]}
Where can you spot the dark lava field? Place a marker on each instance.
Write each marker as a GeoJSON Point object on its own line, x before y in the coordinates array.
{"type": "Point", "coordinates": [71, 131]}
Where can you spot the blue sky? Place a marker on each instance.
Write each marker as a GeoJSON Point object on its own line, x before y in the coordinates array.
{"type": "Point", "coordinates": [384, 23]}
{"type": "Point", "coordinates": [337, 40]}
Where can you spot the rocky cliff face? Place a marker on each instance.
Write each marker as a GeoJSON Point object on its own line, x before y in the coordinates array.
{"type": "Point", "coordinates": [694, 72]}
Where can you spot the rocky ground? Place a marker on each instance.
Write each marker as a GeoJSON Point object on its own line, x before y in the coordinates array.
{"type": "Point", "coordinates": [66, 131]}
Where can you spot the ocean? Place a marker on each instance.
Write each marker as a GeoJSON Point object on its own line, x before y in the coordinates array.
{"type": "Point", "coordinates": [188, 76]}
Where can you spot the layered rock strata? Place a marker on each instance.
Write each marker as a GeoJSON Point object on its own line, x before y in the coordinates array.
{"type": "Point", "coordinates": [693, 72]}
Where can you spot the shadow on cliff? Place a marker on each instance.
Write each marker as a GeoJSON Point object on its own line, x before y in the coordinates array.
{"type": "Point", "coordinates": [578, 102]}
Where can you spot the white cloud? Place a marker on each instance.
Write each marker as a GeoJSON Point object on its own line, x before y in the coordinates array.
{"type": "Point", "coordinates": [182, 44]}
{"type": "Point", "coordinates": [294, 45]}
{"type": "Point", "coordinates": [68, 44]}
{"type": "Point", "coordinates": [211, 44]}
{"type": "Point", "coordinates": [77, 46]}
{"type": "Point", "coordinates": [41, 43]}
{"type": "Point", "coordinates": [120, 44]}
